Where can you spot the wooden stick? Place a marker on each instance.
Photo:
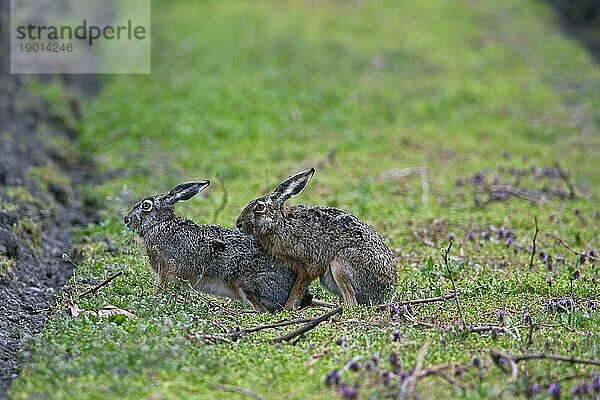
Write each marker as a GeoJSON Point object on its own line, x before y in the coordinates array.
{"type": "Point", "coordinates": [460, 314]}
{"type": "Point", "coordinates": [566, 180]}
{"type": "Point", "coordinates": [443, 297]}
{"type": "Point", "coordinates": [530, 334]}
{"type": "Point", "coordinates": [257, 328]}
{"type": "Point", "coordinates": [451, 380]}
{"type": "Point", "coordinates": [236, 389]}
{"type": "Point", "coordinates": [533, 248]}
{"type": "Point", "coordinates": [105, 282]}
{"type": "Point", "coordinates": [501, 359]}
{"type": "Point", "coordinates": [566, 246]}
{"type": "Point", "coordinates": [486, 328]}
{"type": "Point", "coordinates": [313, 323]}
{"type": "Point", "coordinates": [409, 384]}
{"type": "Point", "coordinates": [556, 357]}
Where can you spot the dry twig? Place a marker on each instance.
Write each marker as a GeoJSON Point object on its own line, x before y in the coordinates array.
{"type": "Point", "coordinates": [460, 313]}
{"type": "Point", "coordinates": [565, 177]}
{"type": "Point", "coordinates": [443, 297]}
{"type": "Point", "coordinates": [501, 359]}
{"type": "Point", "coordinates": [409, 384]}
{"type": "Point", "coordinates": [236, 389]}
{"type": "Point", "coordinates": [237, 334]}
{"type": "Point", "coordinates": [202, 337]}
{"type": "Point", "coordinates": [566, 246]}
{"type": "Point", "coordinates": [103, 283]}
{"type": "Point", "coordinates": [533, 245]}
{"type": "Point", "coordinates": [313, 323]}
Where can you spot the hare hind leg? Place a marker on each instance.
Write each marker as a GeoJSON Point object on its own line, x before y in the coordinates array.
{"type": "Point", "coordinates": [339, 269]}
{"type": "Point", "coordinates": [296, 294]}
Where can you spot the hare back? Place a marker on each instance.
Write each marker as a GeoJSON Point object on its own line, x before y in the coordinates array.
{"type": "Point", "coordinates": [332, 223]}
{"type": "Point", "coordinates": [314, 236]}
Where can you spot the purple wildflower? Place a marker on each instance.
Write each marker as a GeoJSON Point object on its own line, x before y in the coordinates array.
{"type": "Point", "coordinates": [533, 390]}
{"type": "Point", "coordinates": [500, 315]}
{"type": "Point", "coordinates": [353, 365]}
{"type": "Point", "coordinates": [348, 392]}
{"type": "Point", "coordinates": [394, 359]}
{"type": "Point", "coordinates": [375, 360]}
{"type": "Point", "coordinates": [386, 379]}
{"type": "Point", "coordinates": [332, 378]}
{"type": "Point", "coordinates": [478, 179]}
{"type": "Point", "coordinates": [596, 384]}
{"type": "Point", "coordinates": [554, 390]}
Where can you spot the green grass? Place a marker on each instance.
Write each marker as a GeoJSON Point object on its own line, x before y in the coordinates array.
{"type": "Point", "coordinates": [255, 91]}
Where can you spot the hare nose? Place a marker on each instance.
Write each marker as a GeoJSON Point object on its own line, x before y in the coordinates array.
{"type": "Point", "coordinates": [126, 220]}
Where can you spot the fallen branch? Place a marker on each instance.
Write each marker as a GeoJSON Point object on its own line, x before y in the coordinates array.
{"type": "Point", "coordinates": [235, 335]}
{"type": "Point", "coordinates": [530, 333]}
{"type": "Point", "coordinates": [565, 177]}
{"type": "Point", "coordinates": [556, 357]}
{"type": "Point", "coordinates": [566, 246]}
{"type": "Point", "coordinates": [236, 389]}
{"type": "Point", "coordinates": [533, 248]}
{"type": "Point", "coordinates": [202, 337]}
{"type": "Point", "coordinates": [460, 314]}
{"type": "Point", "coordinates": [501, 359]}
{"type": "Point", "coordinates": [492, 328]}
{"type": "Point", "coordinates": [472, 329]}
{"type": "Point", "coordinates": [452, 380]}
{"type": "Point", "coordinates": [103, 283]}
{"type": "Point", "coordinates": [409, 384]}
{"type": "Point", "coordinates": [313, 323]}
{"type": "Point", "coordinates": [443, 297]}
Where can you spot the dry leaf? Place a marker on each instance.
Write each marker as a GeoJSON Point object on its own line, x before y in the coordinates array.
{"type": "Point", "coordinates": [109, 310]}
{"type": "Point", "coordinates": [74, 308]}
{"type": "Point", "coordinates": [105, 311]}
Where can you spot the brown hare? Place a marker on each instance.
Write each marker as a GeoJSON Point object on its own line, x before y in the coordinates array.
{"type": "Point", "coordinates": [208, 258]}
{"type": "Point", "coordinates": [350, 258]}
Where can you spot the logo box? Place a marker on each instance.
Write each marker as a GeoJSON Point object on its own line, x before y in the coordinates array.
{"type": "Point", "coordinates": [80, 36]}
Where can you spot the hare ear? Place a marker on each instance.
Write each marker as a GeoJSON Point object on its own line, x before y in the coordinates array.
{"type": "Point", "coordinates": [185, 191]}
{"type": "Point", "coordinates": [293, 185]}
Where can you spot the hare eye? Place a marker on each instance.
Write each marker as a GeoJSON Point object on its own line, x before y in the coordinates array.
{"type": "Point", "coordinates": [259, 208]}
{"type": "Point", "coordinates": [147, 205]}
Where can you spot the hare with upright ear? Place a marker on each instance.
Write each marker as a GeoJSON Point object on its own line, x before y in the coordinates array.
{"type": "Point", "coordinates": [350, 258]}
{"type": "Point", "coordinates": [208, 258]}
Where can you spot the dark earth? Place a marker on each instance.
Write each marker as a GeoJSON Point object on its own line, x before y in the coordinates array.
{"type": "Point", "coordinates": [39, 175]}
{"type": "Point", "coordinates": [39, 206]}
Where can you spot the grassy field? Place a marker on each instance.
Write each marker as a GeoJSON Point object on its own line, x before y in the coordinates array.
{"type": "Point", "coordinates": [481, 99]}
